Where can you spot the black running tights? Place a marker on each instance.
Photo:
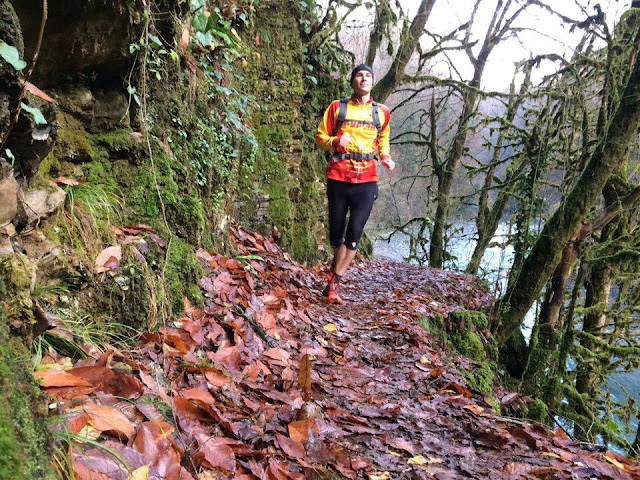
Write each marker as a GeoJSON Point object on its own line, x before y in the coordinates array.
{"type": "Point", "coordinates": [356, 199]}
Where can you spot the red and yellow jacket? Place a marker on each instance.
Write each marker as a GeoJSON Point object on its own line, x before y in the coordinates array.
{"type": "Point", "coordinates": [364, 139]}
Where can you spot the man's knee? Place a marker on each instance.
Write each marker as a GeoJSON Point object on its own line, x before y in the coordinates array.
{"type": "Point", "coordinates": [353, 239]}
{"type": "Point", "coordinates": [336, 243]}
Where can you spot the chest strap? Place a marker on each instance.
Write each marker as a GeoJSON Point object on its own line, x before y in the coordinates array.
{"type": "Point", "coordinates": [336, 157]}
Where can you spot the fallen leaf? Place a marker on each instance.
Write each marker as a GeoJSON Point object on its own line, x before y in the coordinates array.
{"type": "Point", "coordinates": [509, 398]}
{"type": "Point", "coordinates": [609, 457]}
{"type": "Point", "coordinates": [304, 374]}
{"type": "Point", "coordinates": [550, 454]}
{"type": "Point", "coordinates": [141, 473]}
{"type": "Point", "coordinates": [299, 430]}
{"type": "Point", "coordinates": [214, 452]}
{"type": "Point", "coordinates": [87, 433]}
{"type": "Point", "coordinates": [379, 476]}
{"type": "Point", "coordinates": [277, 354]}
{"type": "Point", "coordinates": [330, 327]}
{"type": "Point", "coordinates": [108, 259]}
{"type": "Point", "coordinates": [31, 88]}
{"type": "Point", "coordinates": [109, 419]}
{"type": "Point", "coordinates": [184, 37]}
{"type": "Point", "coordinates": [68, 181]}
{"type": "Point", "coordinates": [417, 460]}
{"type": "Point", "coordinates": [560, 433]}
{"type": "Point", "coordinates": [291, 447]}
{"type": "Point", "coordinates": [57, 378]}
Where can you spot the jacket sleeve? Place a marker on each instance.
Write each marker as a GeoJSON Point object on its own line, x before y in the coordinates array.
{"type": "Point", "coordinates": [324, 139]}
{"type": "Point", "coordinates": [385, 132]}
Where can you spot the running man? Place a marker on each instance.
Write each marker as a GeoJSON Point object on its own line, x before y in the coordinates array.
{"type": "Point", "coordinates": [357, 131]}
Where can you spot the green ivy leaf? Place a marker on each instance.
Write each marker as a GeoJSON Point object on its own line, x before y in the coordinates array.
{"type": "Point", "coordinates": [11, 55]}
{"type": "Point", "coordinates": [154, 39]}
{"type": "Point", "coordinates": [10, 156]}
{"type": "Point", "coordinates": [213, 20]}
{"type": "Point", "coordinates": [37, 114]}
{"type": "Point", "coordinates": [197, 5]}
{"type": "Point", "coordinates": [199, 22]}
{"type": "Point", "coordinates": [223, 35]}
{"type": "Point", "coordinates": [204, 38]}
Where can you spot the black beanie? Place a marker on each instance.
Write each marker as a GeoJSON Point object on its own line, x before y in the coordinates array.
{"type": "Point", "coordinates": [360, 67]}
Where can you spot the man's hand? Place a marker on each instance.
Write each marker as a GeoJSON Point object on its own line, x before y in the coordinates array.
{"type": "Point", "coordinates": [344, 140]}
{"type": "Point", "coordinates": [390, 164]}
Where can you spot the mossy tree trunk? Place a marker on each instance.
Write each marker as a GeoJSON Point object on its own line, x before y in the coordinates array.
{"type": "Point", "coordinates": [409, 41]}
{"type": "Point", "coordinates": [545, 254]}
{"type": "Point", "coordinates": [590, 370]}
{"type": "Point", "coordinates": [488, 219]}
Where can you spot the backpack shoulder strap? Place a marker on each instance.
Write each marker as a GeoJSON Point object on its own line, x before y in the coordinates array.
{"type": "Point", "coordinates": [376, 116]}
{"type": "Point", "coordinates": [342, 115]}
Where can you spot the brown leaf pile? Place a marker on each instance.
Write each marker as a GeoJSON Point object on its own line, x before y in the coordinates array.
{"type": "Point", "coordinates": [269, 382]}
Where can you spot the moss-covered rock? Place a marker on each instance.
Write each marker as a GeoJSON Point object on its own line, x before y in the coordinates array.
{"type": "Point", "coordinates": [18, 274]}
{"type": "Point", "coordinates": [471, 318]}
{"type": "Point", "coordinates": [468, 343]}
{"type": "Point", "coordinates": [25, 445]}
{"type": "Point", "coordinates": [286, 189]}
{"type": "Point", "coordinates": [9, 87]}
{"type": "Point", "coordinates": [182, 275]}
{"type": "Point", "coordinates": [536, 410]}
{"type": "Point", "coordinates": [481, 379]}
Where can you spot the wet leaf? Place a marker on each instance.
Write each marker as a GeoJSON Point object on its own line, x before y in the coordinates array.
{"type": "Point", "coordinates": [299, 430]}
{"type": "Point", "coordinates": [277, 354]}
{"type": "Point", "coordinates": [291, 447]}
{"type": "Point", "coordinates": [31, 88]}
{"type": "Point", "coordinates": [610, 457]}
{"type": "Point", "coordinates": [109, 419]}
{"type": "Point", "coordinates": [108, 259]}
{"type": "Point", "coordinates": [141, 473]}
{"type": "Point", "coordinates": [304, 374]}
{"type": "Point", "coordinates": [57, 378]}
{"type": "Point", "coordinates": [214, 452]}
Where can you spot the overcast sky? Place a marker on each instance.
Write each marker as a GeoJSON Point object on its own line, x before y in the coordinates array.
{"type": "Point", "coordinates": [548, 34]}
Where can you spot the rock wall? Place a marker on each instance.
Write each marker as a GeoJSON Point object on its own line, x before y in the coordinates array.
{"type": "Point", "coordinates": [133, 137]}
{"type": "Point", "coordinates": [286, 189]}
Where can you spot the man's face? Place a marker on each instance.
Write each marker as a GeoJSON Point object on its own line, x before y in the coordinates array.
{"type": "Point", "coordinates": [362, 83]}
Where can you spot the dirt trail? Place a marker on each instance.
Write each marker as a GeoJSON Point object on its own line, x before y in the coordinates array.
{"type": "Point", "coordinates": [270, 382]}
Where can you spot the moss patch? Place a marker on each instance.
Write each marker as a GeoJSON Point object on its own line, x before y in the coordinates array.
{"type": "Point", "coordinates": [286, 190]}
{"type": "Point", "coordinates": [468, 343]}
{"type": "Point", "coordinates": [17, 273]}
{"type": "Point", "coordinates": [471, 317]}
{"type": "Point", "coordinates": [465, 341]}
{"type": "Point", "coordinates": [182, 275]}
{"type": "Point", "coordinates": [536, 410]}
{"type": "Point", "coordinates": [25, 446]}
{"type": "Point", "coordinates": [481, 379]}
